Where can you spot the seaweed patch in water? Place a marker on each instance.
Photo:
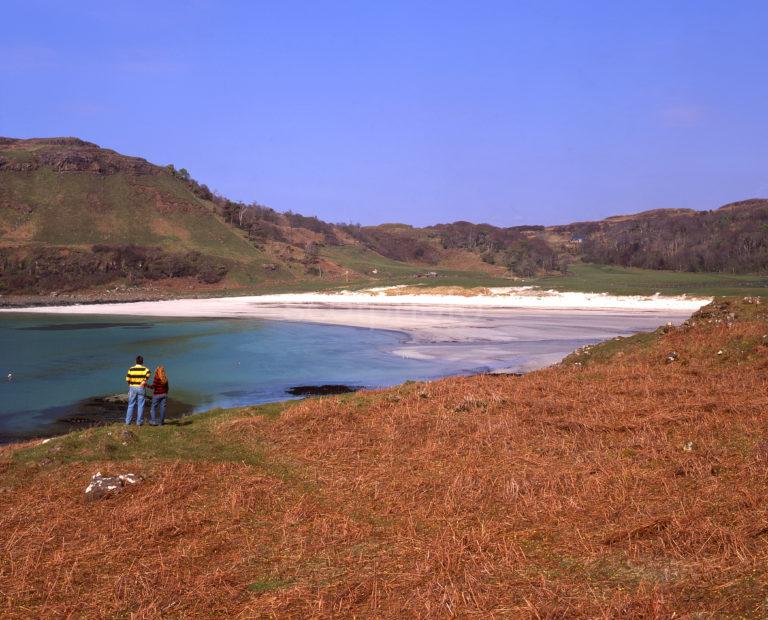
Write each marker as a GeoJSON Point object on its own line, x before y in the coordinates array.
{"type": "Point", "coordinates": [60, 327]}
{"type": "Point", "coordinates": [322, 390]}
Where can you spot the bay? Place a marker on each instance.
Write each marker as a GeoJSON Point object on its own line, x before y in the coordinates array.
{"type": "Point", "coordinates": [60, 360]}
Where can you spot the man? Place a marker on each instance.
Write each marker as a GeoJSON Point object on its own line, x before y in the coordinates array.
{"type": "Point", "coordinates": [137, 378]}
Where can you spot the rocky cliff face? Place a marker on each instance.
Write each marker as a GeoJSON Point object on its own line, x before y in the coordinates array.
{"type": "Point", "coordinates": [68, 155]}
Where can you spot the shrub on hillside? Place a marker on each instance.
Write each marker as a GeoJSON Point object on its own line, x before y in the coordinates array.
{"type": "Point", "coordinates": [40, 270]}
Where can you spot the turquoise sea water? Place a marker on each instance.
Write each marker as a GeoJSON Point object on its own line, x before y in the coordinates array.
{"type": "Point", "coordinates": [57, 361]}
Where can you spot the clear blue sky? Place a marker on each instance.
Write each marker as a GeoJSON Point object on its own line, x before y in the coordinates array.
{"type": "Point", "coordinates": [420, 112]}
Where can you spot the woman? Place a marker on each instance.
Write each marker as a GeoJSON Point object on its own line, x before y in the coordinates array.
{"type": "Point", "coordinates": [159, 397]}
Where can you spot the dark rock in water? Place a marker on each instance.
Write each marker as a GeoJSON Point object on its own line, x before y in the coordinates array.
{"type": "Point", "coordinates": [321, 390]}
{"type": "Point", "coordinates": [107, 486]}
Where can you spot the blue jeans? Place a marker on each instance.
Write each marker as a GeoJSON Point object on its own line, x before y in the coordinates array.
{"type": "Point", "coordinates": [158, 399]}
{"type": "Point", "coordinates": [135, 399]}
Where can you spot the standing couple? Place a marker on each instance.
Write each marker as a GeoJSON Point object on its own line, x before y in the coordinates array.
{"type": "Point", "coordinates": [137, 378]}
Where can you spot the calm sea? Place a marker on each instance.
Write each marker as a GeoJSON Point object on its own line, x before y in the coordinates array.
{"type": "Point", "coordinates": [57, 361]}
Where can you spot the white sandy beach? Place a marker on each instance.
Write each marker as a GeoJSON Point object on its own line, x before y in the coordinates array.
{"type": "Point", "coordinates": [512, 328]}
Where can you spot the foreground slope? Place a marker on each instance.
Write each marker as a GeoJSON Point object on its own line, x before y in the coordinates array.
{"type": "Point", "coordinates": [619, 484]}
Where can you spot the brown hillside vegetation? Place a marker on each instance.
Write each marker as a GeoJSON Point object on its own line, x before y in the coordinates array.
{"type": "Point", "coordinates": [619, 484]}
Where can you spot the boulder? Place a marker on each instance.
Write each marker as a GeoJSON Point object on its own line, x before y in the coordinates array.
{"type": "Point", "coordinates": [102, 486]}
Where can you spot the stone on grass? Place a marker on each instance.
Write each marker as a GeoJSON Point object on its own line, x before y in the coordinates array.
{"type": "Point", "coordinates": [127, 437]}
{"type": "Point", "coordinates": [101, 486]}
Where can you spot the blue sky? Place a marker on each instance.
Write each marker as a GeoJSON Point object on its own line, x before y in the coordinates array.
{"type": "Point", "coordinates": [419, 112]}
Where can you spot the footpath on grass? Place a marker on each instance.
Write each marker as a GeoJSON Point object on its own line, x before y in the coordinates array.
{"type": "Point", "coordinates": [627, 481]}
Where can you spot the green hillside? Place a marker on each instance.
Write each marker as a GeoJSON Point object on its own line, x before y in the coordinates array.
{"type": "Point", "coordinates": [83, 209]}
{"type": "Point", "coordinates": [78, 194]}
{"type": "Point", "coordinates": [78, 218]}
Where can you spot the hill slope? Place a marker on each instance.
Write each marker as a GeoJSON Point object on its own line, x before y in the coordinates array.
{"type": "Point", "coordinates": [74, 216]}
{"type": "Point", "coordinates": [70, 192]}
{"type": "Point", "coordinates": [732, 239]}
{"type": "Point", "coordinates": [616, 485]}
{"type": "Point", "coordinates": [61, 197]}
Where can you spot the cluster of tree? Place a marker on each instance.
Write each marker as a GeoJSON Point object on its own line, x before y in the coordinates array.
{"type": "Point", "coordinates": [156, 264]}
{"type": "Point", "coordinates": [311, 260]}
{"type": "Point", "coordinates": [261, 223]}
{"type": "Point", "coordinates": [517, 248]}
{"type": "Point", "coordinates": [199, 189]}
{"type": "Point", "coordinates": [731, 239]}
{"type": "Point", "coordinates": [482, 238]}
{"type": "Point", "coordinates": [313, 223]}
{"type": "Point", "coordinates": [400, 246]}
{"type": "Point", "coordinates": [531, 256]}
{"type": "Point", "coordinates": [734, 238]}
{"type": "Point", "coordinates": [40, 269]}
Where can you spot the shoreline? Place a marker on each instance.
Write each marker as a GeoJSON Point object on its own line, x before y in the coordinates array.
{"type": "Point", "coordinates": [521, 297]}
{"type": "Point", "coordinates": [466, 333]}
{"type": "Point", "coordinates": [477, 329]}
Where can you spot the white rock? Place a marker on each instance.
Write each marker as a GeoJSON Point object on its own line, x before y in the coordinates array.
{"type": "Point", "coordinates": [107, 486]}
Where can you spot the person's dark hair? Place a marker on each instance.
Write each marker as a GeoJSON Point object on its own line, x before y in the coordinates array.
{"type": "Point", "coordinates": [139, 359]}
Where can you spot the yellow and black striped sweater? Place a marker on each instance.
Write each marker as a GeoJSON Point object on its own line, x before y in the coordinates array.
{"type": "Point", "coordinates": [137, 375]}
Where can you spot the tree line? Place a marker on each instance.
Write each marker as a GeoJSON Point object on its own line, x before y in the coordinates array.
{"type": "Point", "coordinates": [731, 239]}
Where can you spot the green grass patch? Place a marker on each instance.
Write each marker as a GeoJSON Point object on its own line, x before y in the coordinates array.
{"type": "Point", "coordinates": [269, 584]}
{"type": "Point", "coordinates": [391, 272]}
{"type": "Point", "coordinates": [605, 351]}
{"type": "Point", "coordinates": [582, 278]}
{"type": "Point", "coordinates": [631, 281]}
{"type": "Point", "coordinates": [191, 438]}
{"type": "Point", "coordinates": [64, 206]}
{"type": "Point", "coordinates": [18, 156]}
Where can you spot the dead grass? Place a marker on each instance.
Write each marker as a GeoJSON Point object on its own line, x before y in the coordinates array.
{"type": "Point", "coordinates": [628, 488]}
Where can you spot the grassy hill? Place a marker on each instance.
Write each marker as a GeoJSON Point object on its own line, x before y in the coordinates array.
{"type": "Point", "coordinates": [60, 198]}
{"type": "Point", "coordinates": [75, 217]}
{"type": "Point", "coordinates": [75, 206]}
{"type": "Point", "coordinates": [618, 484]}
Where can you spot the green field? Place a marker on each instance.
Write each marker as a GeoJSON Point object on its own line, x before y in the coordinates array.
{"type": "Point", "coordinates": [630, 281]}
{"type": "Point", "coordinates": [582, 278]}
